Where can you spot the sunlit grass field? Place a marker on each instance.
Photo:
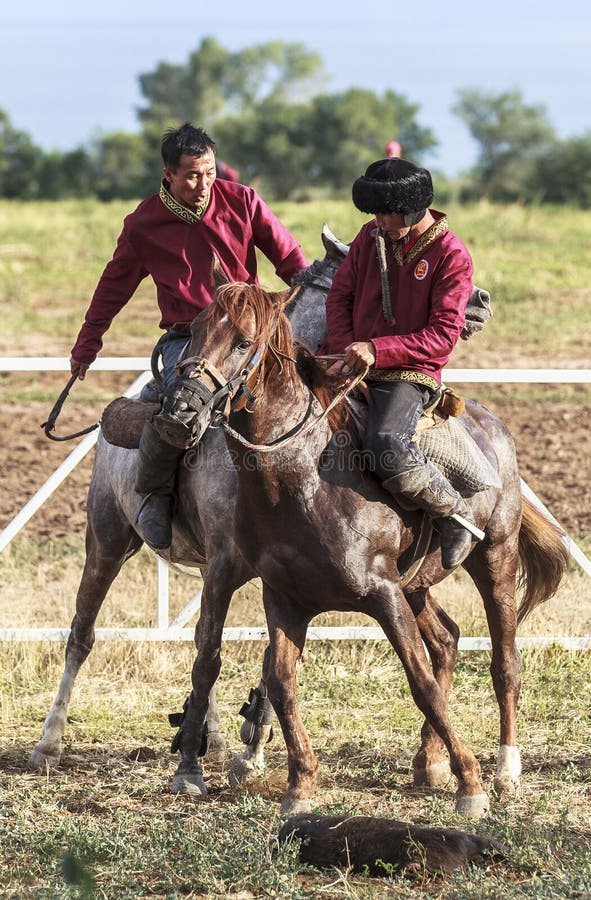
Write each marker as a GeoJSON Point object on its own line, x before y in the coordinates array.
{"type": "Point", "coordinates": [105, 824]}
{"type": "Point", "coordinates": [534, 261]}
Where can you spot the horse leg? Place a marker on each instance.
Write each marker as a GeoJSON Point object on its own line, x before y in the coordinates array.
{"type": "Point", "coordinates": [493, 568]}
{"type": "Point", "coordinates": [256, 731]}
{"type": "Point", "coordinates": [222, 578]}
{"type": "Point", "coordinates": [440, 635]}
{"type": "Point", "coordinates": [287, 634]}
{"type": "Point", "coordinates": [103, 563]}
{"type": "Point", "coordinates": [216, 742]}
{"type": "Point", "coordinates": [390, 608]}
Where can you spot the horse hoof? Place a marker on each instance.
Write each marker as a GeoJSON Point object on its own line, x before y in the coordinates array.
{"type": "Point", "coordinates": [294, 807]}
{"type": "Point", "coordinates": [506, 784]}
{"type": "Point", "coordinates": [243, 768]}
{"type": "Point", "coordinates": [188, 783]}
{"type": "Point", "coordinates": [508, 770]}
{"type": "Point", "coordinates": [438, 775]}
{"type": "Point", "coordinates": [44, 760]}
{"type": "Point", "coordinates": [472, 806]}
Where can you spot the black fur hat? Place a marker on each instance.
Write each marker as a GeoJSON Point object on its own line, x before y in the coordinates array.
{"type": "Point", "coordinates": [393, 186]}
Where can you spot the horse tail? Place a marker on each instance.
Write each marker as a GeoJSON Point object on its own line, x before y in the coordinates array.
{"type": "Point", "coordinates": [543, 556]}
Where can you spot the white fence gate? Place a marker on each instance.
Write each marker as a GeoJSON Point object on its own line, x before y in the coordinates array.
{"type": "Point", "coordinates": [175, 631]}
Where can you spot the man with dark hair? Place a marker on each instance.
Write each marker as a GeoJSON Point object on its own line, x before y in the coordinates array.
{"type": "Point", "coordinates": [397, 304]}
{"type": "Point", "coordinates": [173, 236]}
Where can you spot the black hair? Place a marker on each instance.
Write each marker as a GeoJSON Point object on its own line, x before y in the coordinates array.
{"type": "Point", "coordinates": [184, 141]}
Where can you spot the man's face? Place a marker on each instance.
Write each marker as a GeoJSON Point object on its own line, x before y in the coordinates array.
{"type": "Point", "coordinates": [393, 225]}
{"type": "Point", "coordinates": [192, 179]}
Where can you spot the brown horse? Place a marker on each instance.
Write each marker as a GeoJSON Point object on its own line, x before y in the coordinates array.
{"type": "Point", "coordinates": [202, 539]}
{"type": "Point", "coordinates": [323, 535]}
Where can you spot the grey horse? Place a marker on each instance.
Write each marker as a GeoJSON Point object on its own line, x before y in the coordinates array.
{"type": "Point", "coordinates": [202, 539]}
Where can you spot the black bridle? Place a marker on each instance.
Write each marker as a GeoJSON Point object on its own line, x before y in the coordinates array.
{"type": "Point", "coordinates": [189, 406]}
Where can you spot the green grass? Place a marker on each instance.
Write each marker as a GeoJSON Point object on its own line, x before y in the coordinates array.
{"type": "Point", "coordinates": [534, 262]}
{"type": "Point", "coordinates": [105, 824]}
{"type": "Point", "coordinates": [107, 820]}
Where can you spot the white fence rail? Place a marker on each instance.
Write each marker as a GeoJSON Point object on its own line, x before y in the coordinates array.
{"type": "Point", "coordinates": [175, 631]}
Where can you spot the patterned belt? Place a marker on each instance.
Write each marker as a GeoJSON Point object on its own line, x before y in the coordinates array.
{"type": "Point", "coordinates": [403, 375]}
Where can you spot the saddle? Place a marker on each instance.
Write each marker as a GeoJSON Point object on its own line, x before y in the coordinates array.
{"type": "Point", "coordinates": [443, 440]}
{"type": "Point", "coordinates": [123, 419]}
{"type": "Point", "coordinates": [439, 434]}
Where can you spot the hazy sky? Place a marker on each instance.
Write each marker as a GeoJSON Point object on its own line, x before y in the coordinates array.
{"type": "Point", "coordinates": [68, 69]}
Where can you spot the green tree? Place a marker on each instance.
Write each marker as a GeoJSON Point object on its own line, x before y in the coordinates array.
{"type": "Point", "coordinates": [67, 174]}
{"type": "Point", "coordinates": [122, 166]}
{"type": "Point", "coordinates": [215, 82]}
{"type": "Point", "coordinates": [563, 174]}
{"type": "Point", "coordinates": [292, 147]}
{"type": "Point", "coordinates": [510, 134]}
{"type": "Point", "coordinates": [269, 144]}
{"type": "Point", "coordinates": [20, 162]}
{"type": "Point", "coordinates": [348, 131]}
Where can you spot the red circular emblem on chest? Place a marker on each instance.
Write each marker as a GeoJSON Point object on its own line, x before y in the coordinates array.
{"type": "Point", "coordinates": [421, 269]}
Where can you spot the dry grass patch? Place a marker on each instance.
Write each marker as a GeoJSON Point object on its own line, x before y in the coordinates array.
{"type": "Point", "coordinates": [107, 815]}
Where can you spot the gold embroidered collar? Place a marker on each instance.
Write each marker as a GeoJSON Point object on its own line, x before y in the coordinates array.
{"type": "Point", "coordinates": [427, 237]}
{"type": "Point", "coordinates": [183, 212]}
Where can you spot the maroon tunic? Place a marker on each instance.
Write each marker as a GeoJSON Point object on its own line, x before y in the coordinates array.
{"type": "Point", "coordinates": [175, 246]}
{"type": "Point", "coordinates": [429, 288]}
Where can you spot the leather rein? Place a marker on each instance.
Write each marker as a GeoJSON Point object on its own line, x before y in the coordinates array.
{"type": "Point", "coordinates": [49, 426]}
{"type": "Point", "coordinates": [239, 392]}
{"type": "Point", "coordinates": [305, 426]}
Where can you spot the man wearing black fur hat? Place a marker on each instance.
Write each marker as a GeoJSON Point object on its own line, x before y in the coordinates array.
{"type": "Point", "coordinates": [397, 304]}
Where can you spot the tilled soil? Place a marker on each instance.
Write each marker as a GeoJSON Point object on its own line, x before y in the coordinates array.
{"type": "Point", "coordinates": [551, 439]}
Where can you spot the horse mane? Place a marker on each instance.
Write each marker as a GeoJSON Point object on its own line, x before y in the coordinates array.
{"type": "Point", "coordinates": [324, 387]}
{"type": "Point", "coordinates": [238, 298]}
{"type": "Point", "coordinates": [273, 328]}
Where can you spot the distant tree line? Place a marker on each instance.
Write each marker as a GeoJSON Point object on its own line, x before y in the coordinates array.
{"type": "Point", "coordinates": [265, 108]}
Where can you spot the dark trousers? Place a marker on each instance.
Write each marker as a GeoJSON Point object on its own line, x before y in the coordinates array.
{"type": "Point", "coordinates": [394, 411]}
{"type": "Point", "coordinates": [171, 344]}
{"type": "Point", "coordinates": [157, 459]}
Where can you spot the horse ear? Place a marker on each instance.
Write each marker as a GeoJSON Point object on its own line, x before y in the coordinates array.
{"type": "Point", "coordinates": [217, 273]}
{"type": "Point", "coordinates": [335, 249]}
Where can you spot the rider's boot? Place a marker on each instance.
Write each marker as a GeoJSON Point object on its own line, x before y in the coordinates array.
{"type": "Point", "coordinates": [155, 482]}
{"type": "Point", "coordinates": [426, 488]}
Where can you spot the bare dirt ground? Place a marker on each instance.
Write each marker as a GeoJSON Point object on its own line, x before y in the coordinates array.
{"type": "Point", "coordinates": [551, 438]}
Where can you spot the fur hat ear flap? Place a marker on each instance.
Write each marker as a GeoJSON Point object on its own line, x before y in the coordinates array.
{"type": "Point", "coordinates": [393, 186]}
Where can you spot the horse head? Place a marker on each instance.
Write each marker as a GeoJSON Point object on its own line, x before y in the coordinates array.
{"type": "Point", "coordinates": [235, 344]}
{"type": "Point", "coordinates": [225, 363]}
